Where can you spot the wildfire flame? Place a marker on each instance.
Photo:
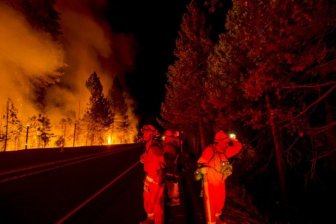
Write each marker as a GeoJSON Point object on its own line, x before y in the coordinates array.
{"type": "Point", "coordinates": [34, 64]}
{"type": "Point", "coordinates": [109, 140]}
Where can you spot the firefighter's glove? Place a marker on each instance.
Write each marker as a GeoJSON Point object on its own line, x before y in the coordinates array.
{"type": "Point", "coordinates": [202, 168]}
{"type": "Point", "coordinates": [198, 175]}
{"type": "Point", "coordinates": [200, 172]}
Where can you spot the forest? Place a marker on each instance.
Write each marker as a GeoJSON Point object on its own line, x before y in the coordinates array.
{"type": "Point", "coordinates": [59, 86]}
{"type": "Point", "coordinates": [266, 71]}
{"type": "Point", "coordinates": [105, 120]}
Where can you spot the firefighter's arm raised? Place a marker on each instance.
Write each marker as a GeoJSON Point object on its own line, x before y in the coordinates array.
{"type": "Point", "coordinates": [234, 148]}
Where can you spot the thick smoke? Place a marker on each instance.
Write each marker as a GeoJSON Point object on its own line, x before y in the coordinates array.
{"type": "Point", "coordinates": [31, 58]}
{"type": "Point", "coordinates": [90, 47]}
{"type": "Point", "coordinates": [25, 55]}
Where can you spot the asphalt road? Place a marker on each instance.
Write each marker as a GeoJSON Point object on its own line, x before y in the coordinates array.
{"type": "Point", "coordinates": [49, 196]}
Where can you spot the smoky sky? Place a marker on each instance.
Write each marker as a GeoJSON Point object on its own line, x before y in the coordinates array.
{"type": "Point", "coordinates": [131, 40]}
{"type": "Point", "coordinates": [32, 59]}
{"type": "Point", "coordinates": [25, 54]}
{"type": "Point", "coordinates": [154, 26]}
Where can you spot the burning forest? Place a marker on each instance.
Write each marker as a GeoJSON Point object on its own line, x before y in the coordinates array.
{"type": "Point", "coordinates": [58, 61]}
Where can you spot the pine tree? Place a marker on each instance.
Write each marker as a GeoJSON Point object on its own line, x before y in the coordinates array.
{"type": "Point", "coordinates": [185, 105]}
{"type": "Point", "coordinates": [45, 129]}
{"type": "Point", "coordinates": [99, 115]}
{"type": "Point", "coordinates": [274, 55]}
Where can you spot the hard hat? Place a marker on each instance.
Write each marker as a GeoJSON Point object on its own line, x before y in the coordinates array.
{"type": "Point", "coordinates": [220, 135]}
{"type": "Point", "coordinates": [148, 127]}
{"type": "Point", "coordinates": [171, 136]}
{"type": "Point", "coordinates": [169, 133]}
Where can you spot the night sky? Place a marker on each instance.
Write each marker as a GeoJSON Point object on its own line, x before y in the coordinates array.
{"type": "Point", "coordinates": [53, 47]}
{"type": "Point", "coordinates": [155, 27]}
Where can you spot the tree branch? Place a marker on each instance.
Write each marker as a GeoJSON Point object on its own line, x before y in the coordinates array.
{"type": "Point", "coordinates": [315, 131]}
{"type": "Point", "coordinates": [316, 101]}
{"type": "Point", "coordinates": [323, 155]}
{"type": "Point", "coordinates": [309, 86]}
{"type": "Point", "coordinates": [321, 66]}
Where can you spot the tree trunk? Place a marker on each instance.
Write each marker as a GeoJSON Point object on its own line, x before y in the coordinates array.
{"type": "Point", "coordinates": [278, 151]}
{"type": "Point", "coordinates": [6, 134]}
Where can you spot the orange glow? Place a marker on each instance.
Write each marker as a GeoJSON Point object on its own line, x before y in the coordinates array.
{"type": "Point", "coordinates": [61, 66]}
{"type": "Point", "coordinates": [109, 140]}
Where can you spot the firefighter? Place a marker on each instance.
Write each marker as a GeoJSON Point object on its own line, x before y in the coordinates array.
{"type": "Point", "coordinates": [154, 164]}
{"type": "Point", "coordinates": [214, 167]}
{"type": "Point", "coordinates": [171, 143]}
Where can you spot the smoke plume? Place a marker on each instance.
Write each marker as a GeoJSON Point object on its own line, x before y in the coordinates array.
{"type": "Point", "coordinates": [31, 59]}
{"type": "Point", "coordinates": [25, 54]}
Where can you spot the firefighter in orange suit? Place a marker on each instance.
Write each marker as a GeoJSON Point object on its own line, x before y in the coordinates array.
{"type": "Point", "coordinates": [215, 167]}
{"type": "Point", "coordinates": [154, 164]}
{"type": "Point", "coordinates": [171, 148]}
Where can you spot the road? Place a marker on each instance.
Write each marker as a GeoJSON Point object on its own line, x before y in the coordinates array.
{"type": "Point", "coordinates": [98, 186]}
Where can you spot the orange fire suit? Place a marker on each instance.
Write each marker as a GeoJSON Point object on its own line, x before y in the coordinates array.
{"type": "Point", "coordinates": [153, 193]}
{"type": "Point", "coordinates": [214, 159]}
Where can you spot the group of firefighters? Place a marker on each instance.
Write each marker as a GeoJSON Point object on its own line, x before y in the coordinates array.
{"type": "Point", "coordinates": [160, 161]}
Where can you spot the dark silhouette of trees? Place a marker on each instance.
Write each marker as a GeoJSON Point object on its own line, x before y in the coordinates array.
{"type": "Point", "coordinates": [185, 104]}
{"type": "Point", "coordinates": [117, 96]}
{"type": "Point", "coordinates": [13, 126]}
{"type": "Point", "coordinates": [44, 129]}
{"type": "Point", "coordinates": [40, 130]}
{"type": "Point", "coordinates": [66, 133]}
{"type": "Point", "coordinates": [271, 77]}
{"type": "Point", "coordinates": [99, 116]}
{"type": "Point", "coordinates": [271, 60]}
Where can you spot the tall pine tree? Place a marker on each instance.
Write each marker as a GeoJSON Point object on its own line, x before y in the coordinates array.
{"type": "Point", "coordinates": [185, 104]}
{"type": "Point", "coordinates": [99, 115]}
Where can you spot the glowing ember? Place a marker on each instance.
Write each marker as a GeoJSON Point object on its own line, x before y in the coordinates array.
{"type": "Point", "coordinates": [109, 140]}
